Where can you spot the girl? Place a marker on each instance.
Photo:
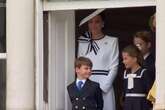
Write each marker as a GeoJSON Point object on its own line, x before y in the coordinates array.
{"type": "Point", "coordinates": [136, 80]}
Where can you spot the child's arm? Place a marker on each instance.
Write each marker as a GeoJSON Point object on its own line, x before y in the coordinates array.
{"type": "Point", "coordinates": [68, 89]}
{"type": "Point", "coordinates": [122, 98]}
{"type": "Point", "coordinates": [99, 98]}
{"type": "Point", "coordinates": [148, 81]}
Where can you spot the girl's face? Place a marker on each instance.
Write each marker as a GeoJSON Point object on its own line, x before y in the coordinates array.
{"type": "Point", "coordinates": [128, 60]}
{"type": "Point", "coordinates": [95, 25]}
{"type": "Point", "coordinates": [142, 45]}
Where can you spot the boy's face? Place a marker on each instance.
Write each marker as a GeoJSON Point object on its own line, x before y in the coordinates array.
{"type": "Point", "coordinates": [128, 60]}
{"type": "Point", "coordinates": [83, 72]}
{"type": "Point", "coordinates": [143, 46]}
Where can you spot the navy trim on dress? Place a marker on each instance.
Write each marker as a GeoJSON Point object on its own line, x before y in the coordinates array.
{"type": "Point", "coordinates": [100, 72]}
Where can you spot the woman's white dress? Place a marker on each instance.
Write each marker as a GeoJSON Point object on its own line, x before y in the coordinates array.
{"type": "Point", "coordinates": [104, 54]}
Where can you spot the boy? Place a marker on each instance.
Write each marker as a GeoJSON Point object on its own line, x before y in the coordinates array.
{"type": "Point", "coordinates": [84, 93]}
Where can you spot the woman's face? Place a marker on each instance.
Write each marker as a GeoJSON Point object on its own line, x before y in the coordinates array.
{"type": "Point", "coordinates": [95, 25]}
{"type": "Point", "coordinates": [142, 45]}
{"type": "Point", "coordinates": [128, 61]}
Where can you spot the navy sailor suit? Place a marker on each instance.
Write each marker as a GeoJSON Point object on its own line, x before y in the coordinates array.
{"type": "Point", "coordinates": [88, 98]}
{"type": "Point", "coordinates": [136, 88]}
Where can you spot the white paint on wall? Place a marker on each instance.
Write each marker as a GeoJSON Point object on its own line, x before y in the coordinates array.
{"type": "Point", "coordinates": [20, 55]}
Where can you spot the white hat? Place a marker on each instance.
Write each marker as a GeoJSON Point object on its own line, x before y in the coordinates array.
{"type": "Point", "coordinates": [95, 13]}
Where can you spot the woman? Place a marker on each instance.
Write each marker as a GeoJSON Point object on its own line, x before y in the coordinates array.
{"type": "Point", "coordinates": [142, 40]}
{"type": "Point", "coordinates": [103, 52]}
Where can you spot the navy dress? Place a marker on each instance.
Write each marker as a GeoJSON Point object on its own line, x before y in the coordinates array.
{"type": "Point", "coordinates": [136, 88]}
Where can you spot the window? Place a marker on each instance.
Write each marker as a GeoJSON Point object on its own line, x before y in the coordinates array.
{"type": "Point", "coordinates": [58, 52]}
{"type": "Point", "coordinates": [2, 54]}
{"type": "Point", "coordinates": [2, 27]}
{"type": "Point", "coordinates": [2, 1]}
{"type": "Point", "coordinates": [121, 23]}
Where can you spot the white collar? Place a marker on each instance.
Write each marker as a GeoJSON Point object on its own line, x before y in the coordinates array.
{"type": "Point", "coordinates": [83, 80]}
{"type": "Point", "coordinates": [146, 55]}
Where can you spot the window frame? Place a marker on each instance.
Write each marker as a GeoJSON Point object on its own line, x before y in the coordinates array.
{"type": "Point", "coordinates": [3, 56]}
{"type": "Point", "coordinates": [77, 5]}
{"type": "Point", "coordinates": [49, 6]}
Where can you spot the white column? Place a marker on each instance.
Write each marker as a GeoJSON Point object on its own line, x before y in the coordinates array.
{"type": "Point", "coordinates": [160, 56]}
{"type": "Point", "coordinates": [20, 55]}
{"type": "Point", "coordinates": [39, 59]}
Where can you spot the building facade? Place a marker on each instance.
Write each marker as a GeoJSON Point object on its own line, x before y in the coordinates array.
{"type": "Point", "coordinates": [39, 50]}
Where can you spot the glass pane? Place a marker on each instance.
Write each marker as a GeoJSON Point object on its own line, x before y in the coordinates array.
{"type": "Point", "coordinates": [2, 84]}
{"type": "Point", "coordinates": [2, 29]}
{"type": "Point", "coordinates": [46, 46]}
{"type": "Point", "coordinates": [2, 1]}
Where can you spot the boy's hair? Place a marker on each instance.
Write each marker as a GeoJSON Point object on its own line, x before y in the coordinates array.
{"type": "Point", "coordinates": [133, 51]}
{"type": "Point", "coordinates": [83, 61]}
{"type": "Point", "coordinates": [144, 35]}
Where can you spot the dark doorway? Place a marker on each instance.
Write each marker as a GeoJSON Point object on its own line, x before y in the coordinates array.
{"type": "Point", "coordinates": [121, 23]}
{"type": "Point", "coordinates": [2, 52]}
{"type": "Point", "coordinates": [45, 69]}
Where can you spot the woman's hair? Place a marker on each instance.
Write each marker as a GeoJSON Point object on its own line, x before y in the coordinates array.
{"type": "Point", "coordinates": [144, 35]}
{"type": "Point", "coordinates": [151, 22]}
{"type": "Point", "coordinates": [102, 16]}
{"type": "Point", "coordinates": [133, 51]}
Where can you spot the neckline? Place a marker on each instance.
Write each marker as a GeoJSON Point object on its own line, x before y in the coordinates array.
{"type": "Point", "coordinates": [129, 71]}
{"type": "Point", "coordinates": [99, 38]}
{"type": "Point", "coordinates": [136, 71]}
{"type": "Point", "coordinates": [83, 80]}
